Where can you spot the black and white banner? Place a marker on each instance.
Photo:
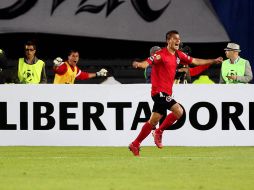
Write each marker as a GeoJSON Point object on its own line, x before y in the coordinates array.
{"type": "Point", "coordinates": [112, 115]}
{"type": "Point", "coordinates": [142, 20]}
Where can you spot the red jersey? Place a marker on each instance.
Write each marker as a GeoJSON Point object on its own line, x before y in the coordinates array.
{"type": "Point", "coordinates": [164, 69]}
{"type": "Point", "coordinates": [81, 75]}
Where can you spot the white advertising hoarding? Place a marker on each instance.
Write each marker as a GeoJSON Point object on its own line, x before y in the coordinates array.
{"type": "Point", "coordinates": [112, 115]}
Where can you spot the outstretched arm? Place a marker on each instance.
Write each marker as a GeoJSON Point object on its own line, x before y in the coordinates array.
{"type": "Point", "coordinates": [197, 61]}
{"type": "Point", "coordinates": [82, 75]}
{"type": "Point", "coordinates": [140, 64]}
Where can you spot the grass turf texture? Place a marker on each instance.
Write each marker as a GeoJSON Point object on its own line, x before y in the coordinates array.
{"type": "Point", "coordinates": [115, 168]}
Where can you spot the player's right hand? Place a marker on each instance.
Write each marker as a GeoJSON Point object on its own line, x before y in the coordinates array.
{"type": "Point", "coordinates": [58, 61]}
{"type": "Point", "coordinates": [102, 73]}
{"type": "Point", "coordinates": [135, 64]}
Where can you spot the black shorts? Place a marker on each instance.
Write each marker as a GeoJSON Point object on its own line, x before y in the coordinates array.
{"type": "Point", "coordinates": [162, 103]}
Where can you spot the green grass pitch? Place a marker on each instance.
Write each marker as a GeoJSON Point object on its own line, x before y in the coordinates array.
{"type": "Point", "coordinates": [115, 168]}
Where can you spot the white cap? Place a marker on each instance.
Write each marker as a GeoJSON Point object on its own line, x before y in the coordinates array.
{"type": "Point", "coordinates": [232, 47]}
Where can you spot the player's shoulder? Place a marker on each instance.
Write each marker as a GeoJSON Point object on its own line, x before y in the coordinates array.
{"type": "Point", "coordinates": [183, 55]}
{"type": "Point", "coordinates": [179, 52]}
{"type": "Point", "coordinates": [156, 56]}
{"type": "Point", "coordinates": [162, 51]}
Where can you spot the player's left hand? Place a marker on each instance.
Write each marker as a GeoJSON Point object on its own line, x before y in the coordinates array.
{"type": "Point", "coordinates": [218, 60]}
{"type": "Point", "coordinates": [102, 73]}
{"type": "Point", "coordinates": [58, 61]}
{"type": "Point", "coordinates": [135, 64]}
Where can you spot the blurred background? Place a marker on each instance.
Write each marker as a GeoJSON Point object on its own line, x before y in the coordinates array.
{"type": "Point", "coordinates": [112, 33]}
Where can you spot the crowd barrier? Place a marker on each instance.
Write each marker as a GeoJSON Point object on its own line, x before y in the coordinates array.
{"type": "Point", "coordinates": [112, 115]}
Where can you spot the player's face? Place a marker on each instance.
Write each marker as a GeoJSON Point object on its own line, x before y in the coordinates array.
{"type": "Point", "coordinates": [174, 42]}
{"type": "Point", "coordinates": [73, 58]}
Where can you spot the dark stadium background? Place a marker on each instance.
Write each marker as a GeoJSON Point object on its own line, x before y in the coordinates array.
{"type": "Point", "coordinates": [95, 53]}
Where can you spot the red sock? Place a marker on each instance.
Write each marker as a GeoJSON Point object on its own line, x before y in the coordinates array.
{"type": "Point", "coordinates": [169, 120]}
{"type": "Point", "coordinates": [145, 131]}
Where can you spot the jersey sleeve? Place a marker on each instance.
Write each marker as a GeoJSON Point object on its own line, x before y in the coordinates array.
{"type": "Point", "coordinates": [154, 59]}
{"type": "Point", "coordinates": [82, 75]}
{"type": "Point", "coordinates": [185, 59]}
{"type": "Point", "coordinates": [61, 69]}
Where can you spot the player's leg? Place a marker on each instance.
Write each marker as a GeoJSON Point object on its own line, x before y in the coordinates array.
{"type": "Point", "coordinates": [176, 113]}
{"type": "Point", "coordinates": [145, 131]}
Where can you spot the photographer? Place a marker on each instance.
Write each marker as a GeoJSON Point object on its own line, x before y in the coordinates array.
{"type": "Point", "coordinates": [6, 75]}
{"type": "Point", "coordinates": [184, 72]}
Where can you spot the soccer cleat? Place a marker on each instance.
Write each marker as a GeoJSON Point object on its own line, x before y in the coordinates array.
{"type": "Point", "coordinates": [157, 135]}
{"type": "Point", "coordinates": [134, 149]}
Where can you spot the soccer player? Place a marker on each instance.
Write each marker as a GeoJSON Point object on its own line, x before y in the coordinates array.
{"type": "Point", "coordinates": [164, 64]}
{"type": "Point", "coordinates": [67, 72]}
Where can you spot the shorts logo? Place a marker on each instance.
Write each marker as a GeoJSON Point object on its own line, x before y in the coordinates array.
{"type": "Point", "coordinates": [168, 98]}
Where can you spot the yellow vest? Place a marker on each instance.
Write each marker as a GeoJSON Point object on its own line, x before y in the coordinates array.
{"type": "Point", "coordinates": [30, 74]}
{"type": "Point", "coordinates": [237, 68]}
{"type": "Point", "coordinates": [68, 77]}
{"type": "Point", "coordinates": [203, 79]}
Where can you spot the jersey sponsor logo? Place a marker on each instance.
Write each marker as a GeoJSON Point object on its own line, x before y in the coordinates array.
{"type": "Point", "coordinates": [28, 75]}
{"type": "Point", "coordinates": [232, 73]}
{"type": "Point", "coordinates": [168, 98]}
{"type": "Point", "coordinates": [158, 57]}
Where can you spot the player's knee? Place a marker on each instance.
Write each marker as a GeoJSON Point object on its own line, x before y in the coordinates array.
{"type": "Point", "coordinates": [153, 122]}
{"type": "Point", "coordinates": [155, 118]}
{"type": "Point", "coordinates": [178, 111]}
